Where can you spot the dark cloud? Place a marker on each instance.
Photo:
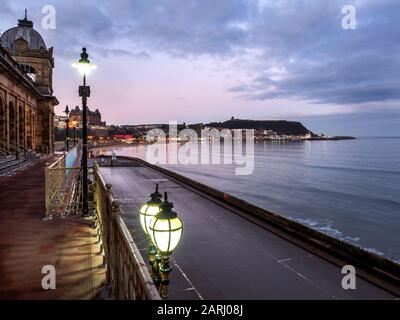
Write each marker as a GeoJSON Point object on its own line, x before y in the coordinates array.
{"type": "Point", "coordinates": [324, 63]}
{"type": "Point", "coordinates": [303, 53]}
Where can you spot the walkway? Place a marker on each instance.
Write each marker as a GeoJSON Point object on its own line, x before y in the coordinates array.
{"type": "Point", "coordinates": [27, 244]}
{"type": "Point", "coordinates": [224, 256]}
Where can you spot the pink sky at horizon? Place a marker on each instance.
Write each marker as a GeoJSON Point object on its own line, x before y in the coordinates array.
{"type": "Point", "coordinates": [161, 89]}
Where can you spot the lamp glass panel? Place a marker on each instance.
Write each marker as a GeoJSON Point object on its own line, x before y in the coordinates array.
{"type": "Point", "coordinates": [147, 212]}
{"type": "Point", "coordinates": [166, 233]}
{"type": "Point", "coordinates": [176, 225]}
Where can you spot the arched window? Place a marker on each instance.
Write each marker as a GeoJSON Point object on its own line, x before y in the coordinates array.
{"type": "Point", "coordinates": [12, 118]}
{"type": "Point", "coordinates": [3, 123]}
{"type": "Point", "coordinates": [21, 126]}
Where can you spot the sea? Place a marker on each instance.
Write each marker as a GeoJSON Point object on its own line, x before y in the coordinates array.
{"type": "Point", "coordinates": [349, 189]}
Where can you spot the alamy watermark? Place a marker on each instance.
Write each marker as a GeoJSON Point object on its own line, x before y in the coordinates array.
{"type": "Point", "coordinates": [49, 19]}
{"type": "Point", "coordinates": [349, 20]}
{"type": "Point", "coordinates": [49, 280]}
{"type": "Point", "coordinates": [211, 146]}
{"type": "Point", "coordinates": [349, 280]}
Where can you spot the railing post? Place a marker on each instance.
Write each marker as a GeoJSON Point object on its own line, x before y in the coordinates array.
{"type": "Point", "coordinates": [47, 216]}
{"type": "Point", "coordinates": [95, 169]}
{"type": "Point", "coordinates": [115, 249]}
{"type": "Point", "coordinates": [106, 214]}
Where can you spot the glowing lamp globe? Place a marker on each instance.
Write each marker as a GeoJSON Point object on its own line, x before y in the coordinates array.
{"type": "Point", "coordinates": [166, 228]}
{"type": "Point", "coordinates": [149, 210]}
{"type": "Point", "coordinates": [84, 66]}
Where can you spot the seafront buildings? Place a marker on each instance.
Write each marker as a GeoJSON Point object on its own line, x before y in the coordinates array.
{"type": "Point", "coordinates": [26, 89]}
{"type": "Point", "coordinates": [139, 132]}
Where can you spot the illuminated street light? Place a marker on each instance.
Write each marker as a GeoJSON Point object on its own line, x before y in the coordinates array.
{"type": "Point", "coordinates": [147, 213]}
{"type": "Point", "coordinates": [73, 126]}
{"type": "Point", "coordinates": [165, 230]}
{"type": "Point", "coordinates": [66, 128]}
{"type": "Point", "coordinates": [150, 209]}
{"type": "Point", "coordinates": [84, 67]}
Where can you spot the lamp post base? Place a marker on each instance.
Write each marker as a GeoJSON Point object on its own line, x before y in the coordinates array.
{"type": "Point", "coordinates": [152, 251]}
{"type": "Point", "coordinates": [165, 269]}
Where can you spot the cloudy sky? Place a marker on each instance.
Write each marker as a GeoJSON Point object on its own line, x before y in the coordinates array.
{"type": "Point", "coordinates": [203, 60]}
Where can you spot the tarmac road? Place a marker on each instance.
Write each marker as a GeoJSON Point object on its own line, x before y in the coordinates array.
{"type": "Point", "coordinates": [224, 256]}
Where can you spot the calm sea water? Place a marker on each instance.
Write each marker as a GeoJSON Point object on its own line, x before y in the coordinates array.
{"type": "Point", "coordinates": [347, 189]}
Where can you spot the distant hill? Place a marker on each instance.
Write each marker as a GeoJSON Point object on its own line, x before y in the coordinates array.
{"type": "Point", "coordinates": [279, 126]}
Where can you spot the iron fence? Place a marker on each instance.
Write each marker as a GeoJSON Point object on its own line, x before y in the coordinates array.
{"type": "Point", "coordinates": [63, 180]}
{"type": "Point", "coordinates": [127, 274]}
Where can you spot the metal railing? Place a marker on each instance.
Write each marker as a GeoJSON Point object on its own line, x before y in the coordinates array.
{"type": "Point", "coordinates": [5, 158]}
{"type": "Point", "coordinates": [13, 156]}
{"type": "Point", "coordinates": [127, 274]}
{"type": "Point", "coordinates": [64, 186]}
{"type": "Point", "coordinates": [13, 148]}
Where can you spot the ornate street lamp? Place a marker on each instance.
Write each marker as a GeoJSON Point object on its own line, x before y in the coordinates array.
{"type": "Point", "coordinates": [147, 213]}
{"type": "Point", "coordinates": [74, 123]}
{"type": "Point", "coordinates": [66, 127]}
{"type": "Point", "coordinates": [165, 230]}
{"type": "Point", "coordinates": [149, 210]}
{"type": "Point", "coordinates": [84, 67]}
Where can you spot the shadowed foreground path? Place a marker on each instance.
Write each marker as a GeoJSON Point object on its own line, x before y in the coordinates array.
{"type": "Point", "coordinates": [27, 244]}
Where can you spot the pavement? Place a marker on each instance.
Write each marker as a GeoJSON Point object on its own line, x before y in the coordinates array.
{"type": "Point", "coordinates": [27, 244]}
{"type": "Point", "coordinates": [224, 256]}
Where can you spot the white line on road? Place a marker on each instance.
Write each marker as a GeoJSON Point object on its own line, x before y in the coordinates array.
{"type": "Point", "coordinates": [187, 279]}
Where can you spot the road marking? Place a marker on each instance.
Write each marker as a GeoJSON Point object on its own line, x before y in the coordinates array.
{"type": "Point", "coordinates": [296, 258]}
{"type": "Point", "coordinates": [187, 279]}
{"type": "Point", "coordinates": [309, 281]}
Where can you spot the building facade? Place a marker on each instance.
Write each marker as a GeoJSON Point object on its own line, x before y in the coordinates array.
{"type": "Point", "coordinates": [26, 89]}
{"type": "Point", "coordinates": [94, 117]}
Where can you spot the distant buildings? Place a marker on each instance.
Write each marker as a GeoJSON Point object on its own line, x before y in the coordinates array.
{"type": "Point", "coordinates": [131, 133]}
{"type": "Point", "coordinates": [94, 117]}
{"type": "Point", "coordinates": [60, 122]}
{"type": "Point", "coordinates": [97, 128]}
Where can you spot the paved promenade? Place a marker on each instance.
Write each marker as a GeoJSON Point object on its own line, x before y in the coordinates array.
{"type": "Point", "coordinates": [224, 256]}
{"type": "Point", "coordinates": [27, 244]}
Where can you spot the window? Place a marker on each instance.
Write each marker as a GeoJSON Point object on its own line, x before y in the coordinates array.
{"type": "Point", "coordinates": [29, 71]}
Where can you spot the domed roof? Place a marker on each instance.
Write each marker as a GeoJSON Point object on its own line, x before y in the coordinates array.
{"type": "Point", "coordinates": [23, 30]}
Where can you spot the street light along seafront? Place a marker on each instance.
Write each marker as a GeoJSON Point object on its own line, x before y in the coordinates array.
{"type": "Point", "coordinates": [73, 126]}
{"type": "Point", "coordinates": [84, 67]}
{"type": "Point", "coordinates": [147, 213]}
{"type": "Point", "coordinates": [149, 210]}
{"type": "Point", "coordinates": [165, 231]}
{"type": "Point", "coordinates": [66, 128]}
